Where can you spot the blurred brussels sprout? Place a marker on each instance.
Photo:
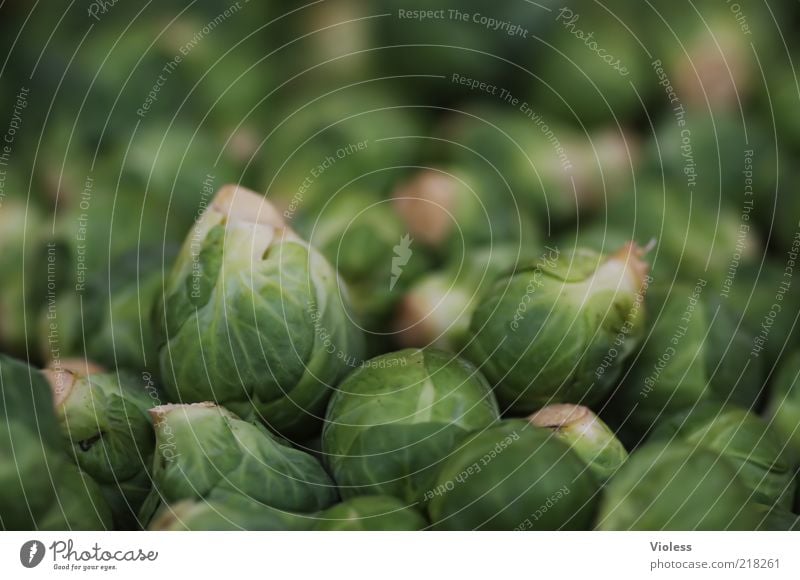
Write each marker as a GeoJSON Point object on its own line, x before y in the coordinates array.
{"type": "Point", "coordinates": [676, 487]}
{"type": "Point", "coordinates": [594, 70]}
{"type": "Point", "coordinates": [451, 211]}
{"type": "Point", "coordinates": [228, 512]}
{"type": "Point", "coordinates": [728, 159]}
{"type": "Point", "coordinates": [553, 173]}
{"type": "Point", "coordinates": [513, 477]}
{"type": "Point", "coordinates": [586, 434]}
{"type": "Point", "coordinates": [689, 242]}
{"type": "Point", "coordinates": [370, 513]}
{"type": "Point", "coordinates": [79, 502]}
{"type": "Point", "coordinates": [254, 318]}
{"type": "Point", "coordinates": [360, 234]}
{"type": "Point", "coordinates": [744, 440]}
{"type": "Point", "coordinates": [177, 169]}
{"type": "Point", "coordinates": [706, 53]}
{"type": "Point", "coordinates": [110, 320]}
{"type": "Point", "coordinates": [323, 145]}
{"type": "Point", "coordinates": [559, 329]}
{"type": "Point", "coordinates": [393, 421]}
{"type": "Point", "coordinates": [444, 44]}
{"type": "Point", "coordinates": [206, 452]}
{"type": "Point", "coordinates": [104, 220]}
{"type": "Point", "coordinates": [326, 44]}
{"type": "Point", "coordinates": [768, 310]}
{"type": "Point", "coordinates": [108, 432]}
{"type": "Point", "coordinates": [783, 405]}
{"type": "Point", "coordinates": [30, 446]}
{"type": "Point", "coordinates": [21, 291]}
{"type": "Point", "coordinates": [695, 351]}
{"type": "Point", "coordinates": [776, 519]}
{"type": "Point", "coordinates": [437, 309]}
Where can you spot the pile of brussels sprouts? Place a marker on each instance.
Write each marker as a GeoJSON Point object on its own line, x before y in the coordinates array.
{"type": "Point", "coordinates": [563, 400]}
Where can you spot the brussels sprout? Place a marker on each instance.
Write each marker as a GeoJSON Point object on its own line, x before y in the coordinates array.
{"type": "Point", "coordinates": [676, 487]}
{"type": "Point", "coordinates": [370, 513]}
{"type": "Point", "coordinates": [332, 141]}
{"type": "Point", "coordinates": [338, 51]}
{"type": "Point", "coordinates": [558, 330]}
{"type": "Point", "coordinates": [776, 519]}
{"type": "Point", "coordinates": [20, 292]}
{"type": "Point", "coordinates": [30, 446]}
{"type": "Point", "coordinates": [114, 326]}
{"type": "Point", "coordinates": [205, 452]}
{"type": "Point", "coordinates": [707, 56]}
{"type": "Point", "coordinates": [437, 309]}
{"type": "Point", "coordinates": [442, 46]}
{"type": "Point", "coordinates": [107, 430]}
{"type": "Point", "coordinates": [254, 318]}
{"type": "Point", "coordinates": [394, 420]}
{"type": "Point", "coordinates": [26, 448]}
{"type": "Point", "coordinates": [754, 293]}
{"type": "Point", "coordinates": [744, 440]}
{"type": "Point", "coordinates": [228, 512]}
{"type": "Point", "coordinates": [553, 172]}
{"type": "Point", "coordinates": [686, 244]}
{"type": "Point", "coordinates": [451, 211]}
{"type": "Point", "coordinates": [589, 437]}
{"type": "Point", "coordinates": [695, 351]}
{"type": "Point", "coordinates": [783, 406]}
{"type": "Point", "coordinates": [513, 477]}
{"type": "Point", "coordinates": [717, 144]}
{"type": "Point", "coordinates": [79, 502]}
{"type": "Point", "coordinates": [365, 240]}
{"type": "Point", "coordinates": [178, 168]}
{"type": "Point", "coordinates": [596, 70]}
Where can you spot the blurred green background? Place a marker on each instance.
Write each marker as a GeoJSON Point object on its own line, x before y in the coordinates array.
{"type": "Point", "coordinates": [483, 131]}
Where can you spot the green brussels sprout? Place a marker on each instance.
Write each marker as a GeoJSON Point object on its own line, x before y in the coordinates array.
{"type": "Point", "coordinates": [513, 477]}
{"type": "Point", "coordinates": [783, 405]}
{"type": "Point", "coordinates": [20, 295]}
{"type": "Point", "coordinates": [30, 446]}
{"type": "Point", "coordinates": [370, 513]}
{"type": "Point", "coordinates": [595, 70]}
{"type": "Point", "coordinates": [334, 140]}
{"type": "Point", "coordinates": [768, 310]}
{"type": "Point", "coordinates": [338, 50]}
{"type": "Point", "coordinates": [554, 173]}
{"type": "Point", "coordinates": [686, 244]}
{"type": "Point", "coordinates": [676, 487]}
{"type": "Point", "coordinates": [228, 512]}
{"type": "Point", "coordinates": [452, 211]}
{"type": "Point", "coordinates": [776, 519]}
{"type": "Point", "coordinates": [443, 45]}
{"type": "Point", "coordinates": [744, 440]}
{"type": "Point", "coordinates": [393, 421]}
{"type": "Point", "coordinates": [360, 234]}
{"type": "Point", "coordinates": [559, 329]}
{"type": "Point", "coordinates": [437, 309]}
{"type": "Point", "coordinates": [107, 430]}
{"type": "Point", "coordinates": [79, 503]}
{"type": "Point", "coordinates": [254, 318]}
{"type": "Point", "coordinates": [721, 147]}
{"type": "Point", "coordinates": [586, 434]}
{"type": "Point", "coordinates": [695, 351]}
{"type": "Point", "coordinates": [115, 326]}
{"type": "Point", "coordinates": [707, 55]}
{"type": "Point", "coordinates": [206, 452]}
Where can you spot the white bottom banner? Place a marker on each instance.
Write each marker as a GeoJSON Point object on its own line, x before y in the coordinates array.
{"type": "Point", "coordinates": [355, 555]}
